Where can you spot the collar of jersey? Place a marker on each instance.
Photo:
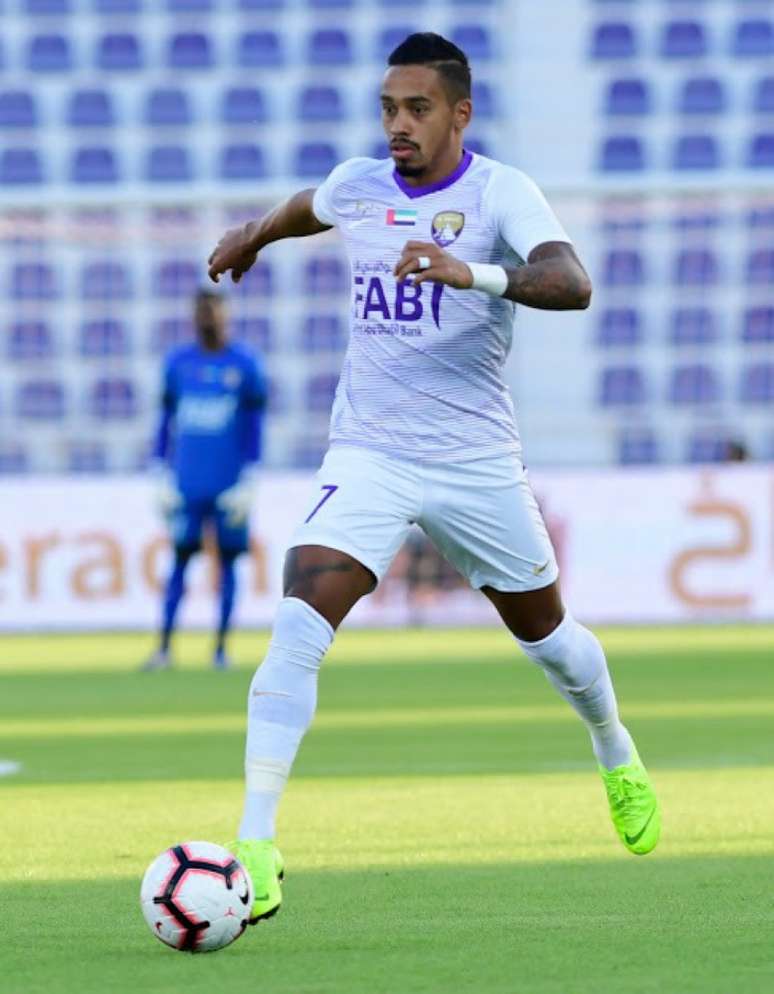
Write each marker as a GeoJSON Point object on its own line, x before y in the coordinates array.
{"type": "Point", "coordinates": [441, 184]}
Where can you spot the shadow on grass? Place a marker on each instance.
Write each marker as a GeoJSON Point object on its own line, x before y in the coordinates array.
{"type": "Point", "coordinates": [629, 926]}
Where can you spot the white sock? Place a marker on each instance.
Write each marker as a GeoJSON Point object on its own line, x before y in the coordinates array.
{"type": "Point", "coordinates": [280, 707]}
{"type": "Point", "coordinates": [574, 662]}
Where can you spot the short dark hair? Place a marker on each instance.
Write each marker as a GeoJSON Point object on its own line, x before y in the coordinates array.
{"type": "Point", "coordinates": [426, 48]}
{"type": "Point", "coordinates": [207, 293]}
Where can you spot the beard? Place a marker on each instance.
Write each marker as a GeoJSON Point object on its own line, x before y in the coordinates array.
{"type": "Point", "coordinates": [404, 169]}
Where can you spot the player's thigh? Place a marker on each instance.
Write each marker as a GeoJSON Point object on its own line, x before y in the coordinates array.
{"type": "Point", "coordinates": [361, 504]}
{"type": "Point", "coordinates": [186, 523]}
{"type": "Point", "coordinates": [331, 581]}
{"type": "Point", "coordinates": [483, 516]}
{"type": "Point", "coordinates": [530, 615]}
{"type": "Point", "coordinates": [232, 539]}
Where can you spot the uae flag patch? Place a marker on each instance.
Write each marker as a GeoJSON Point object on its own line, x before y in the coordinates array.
{"type": "Point", "coordinates": [403, 216]}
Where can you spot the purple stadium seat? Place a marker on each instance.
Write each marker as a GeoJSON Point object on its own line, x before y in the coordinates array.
{"type": "Point", "coordinates": [323, 333]}
{"type": "Point", "coordinates": [702, 95]}
{"type": "Point", "coordinates": [40, 400]}
{"type": "Point", "coordinates": [13, 458]}
{"type": "Point", "coordinates": [330, 4]}
{"type": "Point", "coordinates": [707, 447]}
{"type": "Point", "coordinates": [167, 107]}
{"type": "Point", "coordinates": [484, 101]}
{"type": "Point", "coordinates": [475, 40]}
{"type": "Point", "coordinates": [694, 384]}
{"type": "Point", "coordinates": [314, 159]}
{"type": "Point", "coordinates": [753, 37]}
{"type": "Point", "coordinates": [30, 340]}
{"type": "Point", "coordinates": [320, 103]}
{"type": "Point", "coordinates": [168, 164]}
{"type": "Point", "coordinates": [243, 161]}
{"type": "Point", "coordinates": [118, 6]}
{"type": "Point", "coordinates": [329, 47]}
{"type": "Point", "coordinates": [623, 153]}
{"type": "Point", "coordinates": [177, 278]}
{"type": "Point", "coordinates": [105, 280]}
{"type": "Point", "coordinates": [623, 267]}
{"type": "Point", "coordinates": [628, 96]}
{"type": "Point", "coordinates": [760, 154]}
{"type": "Point", "coordinates": [119, 52]}
{"type": "Point", "coordinates": [320, 390]}
{"type": "Point", "coordinates": [695, 267]}
{"type": "Point", "coordinates": [622, 386]}
{"type": "Point", "coordinates": [258, 282]}
{"type": "Point", "coordinates": [757, 383]}
{"type": "Point", "coordinates": [619, 326]}
{"type": "Point", "coordinates": [760, 268]}
{"type": "Point", "coordinates": [476, 145]}
{"type": "Point", "coordinates": [389, 38]}
{"type": "Point", "coordinates": [18, 109]}
{"type": "Point", "coordinates": [38, 8]}
{"type": "Point", "coordinates": [262, 5]}
{"type": "Point", "coordinates": [693, 326]}
{"type": "Point", "coordinates": [243, 105]}
{"type": "Point", "coordinates": [683, 39]}
{"type": "Point", "coordinates": [638, 446]}
{"type": "Point", "coordinates": [87, 457]}
{"type": "Point", "coordinates": [49, 53]}
{"type": "Point", "coordinates": [761, 216]}
{"type": "Point", "coordinates": [20, 166]}
{"type": "Point", "coordinates": [34, 281]}
{"type": "Point", "coordinates": [308, 453]}
{"type": "Point", "coordinates": [613, 40]}
{"type": "Point", "coordinates": [278, 402]}
{"type": "Point", "coordinates": [190, 50]}
{"type": "Point", "coordinates": [103, 337]}
{"type": "Point", "coordinates": [763, 96]}
{"type": "Point", "coordinates": [94, 165]}
{"type": "Point", "coordinates": [325, 274]}
{"type": "Point", "coordinates": [758, 325]}
{"type": "Point", "coordinates": [113, 397]}
{"type": "Point", "coordinates": [379, 150]}
{"type": "Point", "coordinates": [171, 333]}
{"type": "Point", "coordinates": [189, 6]}
{"type": "Point", "coordinates": [260, 50]}
{"type": "Point", "coordinates": [90, 109]}
{"type": "Point", "coordinates": [696, 152]}
{"type": "Point", "coordinates": [255, 333]}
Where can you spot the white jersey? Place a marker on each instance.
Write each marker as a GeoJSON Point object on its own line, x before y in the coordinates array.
{"type": "Point", "coordinates": [422, 376]}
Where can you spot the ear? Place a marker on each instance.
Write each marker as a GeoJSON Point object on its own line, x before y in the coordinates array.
{"type": "Point", "coordinates": [463, 111]}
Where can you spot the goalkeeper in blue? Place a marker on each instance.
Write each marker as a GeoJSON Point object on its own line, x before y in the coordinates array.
{"type": "Point", "coordinates": [206, 455]}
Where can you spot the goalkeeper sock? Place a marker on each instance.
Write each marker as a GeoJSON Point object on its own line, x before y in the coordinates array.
{"type": "Point", "coordinates": [227, 596]}
{"type": "Point", "coordinates": [281, 704]}
{"type": "Point", "coordinates": [173, 595]}
{"type": "Point", "coordinates": [574, 662]}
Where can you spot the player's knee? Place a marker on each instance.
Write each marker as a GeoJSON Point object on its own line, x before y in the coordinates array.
{"type": "Point", "coordinates": [538, 626]}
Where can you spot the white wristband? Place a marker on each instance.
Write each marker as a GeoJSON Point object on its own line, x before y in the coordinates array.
{"type": "Point", "coordinates": [490, 279]}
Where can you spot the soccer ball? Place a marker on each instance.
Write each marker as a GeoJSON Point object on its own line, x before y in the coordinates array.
{"type": "Point", "coordinates": [196, 897]}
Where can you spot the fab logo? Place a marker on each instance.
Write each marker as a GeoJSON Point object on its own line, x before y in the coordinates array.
{"type": "Point", "coordinates": [405, 302]}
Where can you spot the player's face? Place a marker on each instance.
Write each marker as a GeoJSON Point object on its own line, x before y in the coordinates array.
{"type": "Point", "coordinates": [423, 128]}
{"type": "Point", "coordinates": [210, 319]}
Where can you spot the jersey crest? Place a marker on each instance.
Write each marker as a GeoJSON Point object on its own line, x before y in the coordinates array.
{"type": "Point", "coordinates": [447, 227]}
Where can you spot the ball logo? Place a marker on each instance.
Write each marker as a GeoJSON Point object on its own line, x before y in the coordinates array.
{"type": "Point", "coordinates": [447, 227]}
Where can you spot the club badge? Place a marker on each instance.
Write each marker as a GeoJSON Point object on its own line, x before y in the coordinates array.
{"type": "Point", "coordinates": [447, 227]}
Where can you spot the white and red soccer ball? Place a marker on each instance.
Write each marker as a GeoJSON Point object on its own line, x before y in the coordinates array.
{"type": "Point", "coordinates": [196, 897]}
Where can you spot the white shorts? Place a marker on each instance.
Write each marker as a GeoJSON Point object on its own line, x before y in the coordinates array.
{"type": "Point", "coordinates": [481, 515]}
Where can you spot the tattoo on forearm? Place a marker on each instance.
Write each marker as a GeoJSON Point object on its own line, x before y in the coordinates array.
{"type": "Point", "coordinates": [548, 285]}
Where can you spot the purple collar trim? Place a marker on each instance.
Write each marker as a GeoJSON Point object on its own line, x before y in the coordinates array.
{"type": "Point", "coordinates": [441, 184]}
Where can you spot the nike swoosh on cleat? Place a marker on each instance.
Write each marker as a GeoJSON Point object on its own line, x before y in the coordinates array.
{"type": "Point", "coordinates": [261, 897]}
{"type": "Point", "coordinates": [632, 840]}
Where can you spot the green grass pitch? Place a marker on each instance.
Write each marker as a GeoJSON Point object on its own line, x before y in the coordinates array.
{"type": "Point", "coordinates": [445, 829]}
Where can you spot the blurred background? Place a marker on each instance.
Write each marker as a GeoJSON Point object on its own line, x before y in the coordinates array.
{"type": "Point", "coordinates": [133, 132]}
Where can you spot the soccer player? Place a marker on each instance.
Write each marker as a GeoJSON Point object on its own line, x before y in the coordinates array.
{"type": "Point", "coordinates": [206, 457]}
{"type": "Point", "coordinates": [442, 245]}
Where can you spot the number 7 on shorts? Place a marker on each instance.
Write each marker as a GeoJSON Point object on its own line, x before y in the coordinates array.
{"type": "Point", "coordinates": [330, 490]}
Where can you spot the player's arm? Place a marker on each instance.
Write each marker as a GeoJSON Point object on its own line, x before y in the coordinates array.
{"type": "Point", "coordinates": [238, 499]}
{"type": "Point", "coordinates": [552, 279]}
{"type": "Point", "coordinates": [238, 248]}
{"type": "Point", "coordinates": [168, 497]}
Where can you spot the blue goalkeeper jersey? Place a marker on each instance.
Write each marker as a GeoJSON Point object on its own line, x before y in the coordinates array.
{"type": "Point", "coordinates": [212, 415]}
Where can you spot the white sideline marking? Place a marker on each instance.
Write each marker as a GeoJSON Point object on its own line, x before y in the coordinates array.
{"type": "Point", "coordinates": [8, 767]}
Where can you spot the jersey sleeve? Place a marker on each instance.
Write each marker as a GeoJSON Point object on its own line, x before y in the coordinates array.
{"type": "Point", "coordinates": [254, 397]}
{"type": "Point", "coordinates": [522, 214]}
{"type": "Point", "coordinates": [324, 203]}
{"type": "Point", "coordinates": [161, 447]}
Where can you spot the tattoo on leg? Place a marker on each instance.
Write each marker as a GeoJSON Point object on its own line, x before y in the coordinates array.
{"type": "Point", "coordinates": [302, 579]}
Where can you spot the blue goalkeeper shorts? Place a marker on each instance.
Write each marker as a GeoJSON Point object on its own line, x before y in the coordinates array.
{"type": "Point", "coordinates": [188, 521]}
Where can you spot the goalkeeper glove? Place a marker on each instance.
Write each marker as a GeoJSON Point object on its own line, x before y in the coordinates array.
{"type": "Point", "coordinates": [237, 501]}
{"type": "Point", "coordinates": [168, 497]}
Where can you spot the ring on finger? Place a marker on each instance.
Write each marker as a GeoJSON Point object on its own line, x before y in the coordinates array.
{"type": "Point", "coordinates": [424, 262]}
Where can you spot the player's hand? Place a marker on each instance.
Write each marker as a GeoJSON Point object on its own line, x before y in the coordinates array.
{"type": "Point", "coordinates": [168, 497]}
{"type": "Point", "coordinates": [235, 251]}
{"type": "Point", "coordinates": [237, 502]}
{"type": "Point", "coordinates": [444, 268]}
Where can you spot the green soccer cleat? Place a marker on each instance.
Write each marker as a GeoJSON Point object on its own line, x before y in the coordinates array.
{"type": "Point", "coordinates": [634, 807]}
{"type": "Point", "coordinates": [266, 867]}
